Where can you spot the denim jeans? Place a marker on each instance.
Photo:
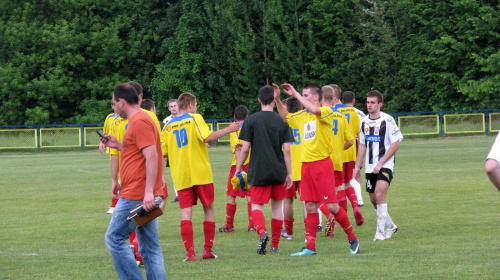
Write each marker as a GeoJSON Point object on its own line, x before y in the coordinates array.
{"type": "Point", "coordinates": [149, 247]}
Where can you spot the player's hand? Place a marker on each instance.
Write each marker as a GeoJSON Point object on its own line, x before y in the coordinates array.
{"type": "Point", "coordinates": [289, 89]}
{"type": "Point", "coordinates": [277, 92]}
{"type": "Point", "coordinates": [112, 142]}
{"type": "Point", "coordinates": [238, 146]}
{"type": "Point", "coordinates": [288, 181]}
{"type": "Point", "coordinates": [115, 188]}
{"type": "Point", "coordinates": [356, 173]}
{"type": "Point", "coordinates": [377, 168]}
{"type": "Point", "coordinates": [235, 126]}
{"type": "Point", "coordinates": [102, 147]}
{"type": "Point", "coordinates": [358, 178]}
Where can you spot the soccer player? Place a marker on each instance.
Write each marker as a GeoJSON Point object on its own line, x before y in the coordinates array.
{"type": "Point", "coordinates": [379, 139]}
{"type": "Point", "coordinates": [174, 111]}
{"type": "Point", "coordinates": [269, 171]}
{"type": "Point", "coordinates": [184, 145]}
{"type": "Point", "coordinates": [318, 179]}
{"type": "Point", "coordinates": [292, 105]}
{"type": "Point", "coordinates": [106, 129]}
{"type": "Point", "coordinates": [141, 173]}
{"type": "Point", "coordinates": [342, 140]}
{"type": "Point", "coordinates": [240, 114]}
{"type": "Point", "coordinates": [492, 166]}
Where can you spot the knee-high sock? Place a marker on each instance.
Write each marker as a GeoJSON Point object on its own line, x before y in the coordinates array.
{"type": "Point", "coordinates": [344, 222]}
{"type": "Point", "coordinates": [259, 222]}
{"type": "Point", "coordinates": [114, 201]}
{"type": "Point", "coordinates": [289, 226]}
{"type": "Point", "coordinates": [324, 210]}
{"type": "Point", "coordinates": [187, 236]}
{"type": "Point", "coordinates": [275, 232]}
{"type": "Point", "coordinates": [311, 230]}
{"type": "Point", "coordinates": [381, 217]}
{"type": "Point", "coordinates": [209, 231]}
{"type": "Point", "coordinates": [230, 211]}
{"type": "Point", "coordinates": [135, 242]}
{"type": "Point", "coordinates": [342, 200]}
{"type": "Point", "coordinates": [351, 194]}
{"type": "Point", "coordinates": [357, 188]}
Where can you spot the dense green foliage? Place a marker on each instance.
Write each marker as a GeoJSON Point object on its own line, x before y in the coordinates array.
{"type": "Point", "coordinates": [60, 60]}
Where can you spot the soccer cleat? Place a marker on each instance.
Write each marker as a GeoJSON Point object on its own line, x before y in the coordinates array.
{"type": "Point", "coordinates": [274, 250]}
{"type": "Point", "coordinates": [251, 229]}
{"type": "Point", "coordinates": [390, 231]}
{"type": "Point", "coordinates": [261, 249]}
{"type": "Point", "coordinates": [288, 237]}
{"type": "Point", "coordinates": [330, 227]}
{"type": "Point", "coordinates": [304, 252]}
{"type": "Point", "coordinates": [320, 228]}
{"type": "Point", "coordinates": [176, 199]}
{"type": "Point", "coordinates": [226, 228]}
{"type": "Point", "coordinates": [354, 244]}
{"type": "Point", "coordinates": [358, 216]}
{"type": "Point", "coordinates": [209, 255]}
{"type": "Point", "coordinates": [110, 210]}
{"type": "Point", "coordinates": [139, 264]}
{"type": "Point", "coordinates": [361, 205]}
{"type": "Point", "coordinates": [191, 258]}
{"type": "Point", "coordinates": [378, 236]}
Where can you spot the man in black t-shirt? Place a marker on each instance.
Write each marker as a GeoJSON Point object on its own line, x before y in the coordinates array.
{"type": "Point", "coordinates": [269, 171]}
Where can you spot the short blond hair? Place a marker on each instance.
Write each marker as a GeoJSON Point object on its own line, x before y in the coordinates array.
{"type": "Point", "coordinates": [328, 93]}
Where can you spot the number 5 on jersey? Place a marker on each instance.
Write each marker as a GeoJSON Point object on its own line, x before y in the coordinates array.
{"type": "Point", "coordinates": [181, 136]}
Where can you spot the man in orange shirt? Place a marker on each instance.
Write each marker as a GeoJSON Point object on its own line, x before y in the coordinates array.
{"type": "Point", "coordinates": [141, 172]}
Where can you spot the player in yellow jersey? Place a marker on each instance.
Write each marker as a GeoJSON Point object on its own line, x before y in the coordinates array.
{"type": "Point", "coordinates": [106, 129]}
{"type": "Point", "coordinates": [240, 114]}
{"type": "Point", "coordinates": [342, 139]}
{"type": "Point", "coordinates": [318, 181]}
{"type": "Point", "coordinates": [184, 145]}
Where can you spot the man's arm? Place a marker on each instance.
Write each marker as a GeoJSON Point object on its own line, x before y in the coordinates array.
{"type": "Point", "coordinates": [115, 186]}
{"type": "Point", "coordinates": [359, 159]}
{"type": "Point", "coordinates": [240, 159]}
{"type": "Point", "coordinates": [235, 126]}
{"type": "Point", "coordinates": [392, 150]}
{"type": "Point", "coordinates": [288, 162]}
{"type": "Point", "coordinates": [348, 144]}
{"type": "Point", "coordinates": [151, 156]}
{"type": "Point", "coordinates": [290, 90]}
{"type": "Point", "coordinates": [281, 109]}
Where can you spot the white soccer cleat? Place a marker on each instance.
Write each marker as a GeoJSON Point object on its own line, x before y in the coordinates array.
{"type": "Point", "coordinates": [390, 231]}
{"type": "Point", "coordinates": [110, 210]}
{"type": "Point", "coordinates": [378, 237]}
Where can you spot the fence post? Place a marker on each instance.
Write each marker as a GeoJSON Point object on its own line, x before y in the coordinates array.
{"type": "Point", "coordinates": [441, 124]}
{"type": "Point", "coordinates": [487, 122]}
{"type": "Point", "coordinates": [82, 136]}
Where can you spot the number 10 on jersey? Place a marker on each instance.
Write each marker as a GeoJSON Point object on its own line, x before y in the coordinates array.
{"type": "Point", "coordinates": [181, 136]}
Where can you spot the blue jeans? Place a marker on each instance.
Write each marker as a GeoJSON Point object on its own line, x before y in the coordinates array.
{"type": "Point", "coordinates": [149, 247]}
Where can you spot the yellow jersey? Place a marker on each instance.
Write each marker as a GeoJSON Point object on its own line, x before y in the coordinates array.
{"type": "Point", "coordinates": [341, 133]}
{"type": "Point", "coordinates": [233, 140]}
{"type": "Point", "coordinates": [184, 144]}
{"type": "Point", "coordinates": [295, 150]}
{"type": "Point", "coordinates": [316, 133]}
{"type": "Point", "coordinates": [355, 124]}
{"type": "Point", "coordinates": [118, 130]}
{"type": "Point", "coordinates": [106, 128]}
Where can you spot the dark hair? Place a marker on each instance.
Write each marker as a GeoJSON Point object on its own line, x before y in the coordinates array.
{"type": "Point", "coordinates": [185, 99]}
{"type": "Point", "coordinates": [293, 105]}
{"type": "Point", "coordinates": [137, 86]}
{"type": "Point", "coordinates": [316, 88]}
{"type": "Point", "coordinates": [266, 95]}
{"type": "Point", "coordinates": [126, 92]}
{"type": "Point", "coordinates": [376, 93]}
{"type": "Point", "coordinates": [240, 112]}
{"type": "Point", "coordinates": [147, 104]}
{"type": "Point", "coordinates": [348, 97]}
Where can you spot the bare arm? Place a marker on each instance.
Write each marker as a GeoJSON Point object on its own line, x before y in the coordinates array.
{"type": "Point", "coordinates": [115, 186]}
{"type": "Point", "coordinates": [245, 149]}
{"type": "Point", "coordinates": [290, 90]}
{"type": "Point", "coordinates": [235, 126]}
{"type": "Point", "coordinates": [151, 156]}
{"type": "Point", "coordinates": [281, 109]}
{"type": "Point", "coordinates": [288, 163]}
{"type": "Point", "coordinates": [348, 144]}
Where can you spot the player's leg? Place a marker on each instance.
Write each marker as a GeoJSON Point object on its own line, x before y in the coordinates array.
{"type": "Point", "coordinates": [251, 226]}
{"type": "Point", "coordinates": [277, 195]}
{"type": "Point", "coordinates": [187, 198]}
{"type": "Point", "coordinates": [492, 169]}
{"type": "Point", "coordinates": [351, 193]}
{"type": "Point", "coordinates": [288, 218]}
{"type": "Point", "coordinates": [230, 212]}
{"type": "Point", "coordinates": [206, 195]}
{"type": "Point", "coordinates": [312, 221]}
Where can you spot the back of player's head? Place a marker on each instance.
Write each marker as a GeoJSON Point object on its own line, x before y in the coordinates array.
{"type": "Point", "coordinates": [377, 94]}
{"type": "Point", "coordinates": [293, 105]}
{"type": "Point", "coordinates": [185, 99]}
{"type": "Point", "coordinates": [266, 95]}
{"type": "Point", "coordinates": [328, 93]}
{"type": "Point", "coordinates": [348, 97]}
{"type": "Point", "coordinates": [148, 104]}
{"type": "Point", "coordinates": [240, 112]}
{"type": "Point", "coordinates": [127, 93]}
{"type": "Point", "coordinates": [337, 91]}
{"type": "Point", "coordinates": [137, 86]}
{"type": "Point", "coordinates": [315, 89]}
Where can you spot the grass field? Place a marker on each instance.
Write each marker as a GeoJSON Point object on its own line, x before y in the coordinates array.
{"type": "Point", "coordinates": [53, 217]}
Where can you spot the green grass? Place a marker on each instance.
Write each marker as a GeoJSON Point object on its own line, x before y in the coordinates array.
{"type": "Point", "coordinates": [53, 222]}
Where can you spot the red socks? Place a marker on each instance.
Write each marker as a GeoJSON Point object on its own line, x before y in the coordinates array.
{"type": "Point", "coordinates": [311, 230]}
{"type": "Point", "coordinates": [230, 210]}
{"type": "Point", "coordinates": [289, 226]}
{"type": "Point", "coordinates": [344, 222]}
{"type": "Point", "coordinates": [324, 210]}
{"type": "Point", "coordinates": [342, 200]}
{"type": "Point", "coordinates": [259, 222]}
{"type": "Point", "coordinates": [114, 201]}
{"type": "Point", "coordinates": [249, 208]}
{"type": "Point", "coordinates": [276, 226]}
{"type": "Point", "coordinates": [187, 236]}
{"type": "Point", "coordinates": [209, 231]}
{"type": "Point", "coordinates": [351, 194]}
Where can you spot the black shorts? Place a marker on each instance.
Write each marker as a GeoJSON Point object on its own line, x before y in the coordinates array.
{"type": "Point", "coordinates": [385, 174]}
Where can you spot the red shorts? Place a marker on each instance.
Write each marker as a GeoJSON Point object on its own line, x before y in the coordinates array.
{"type": "Point", "coordinates": [348, 168]}
{"type": "Point", "coordinates": [230, 190]}
{"type": "Point", "coordinates": [292, 191]}
{"type": "Point", "coordinates": [339, 178]}
{"type": "Point", "coordinates": [318, 181]}
{"type": "Point", "coordinates": [262, 194]}
{"type": "Point", "coordinates": [189, 197]}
